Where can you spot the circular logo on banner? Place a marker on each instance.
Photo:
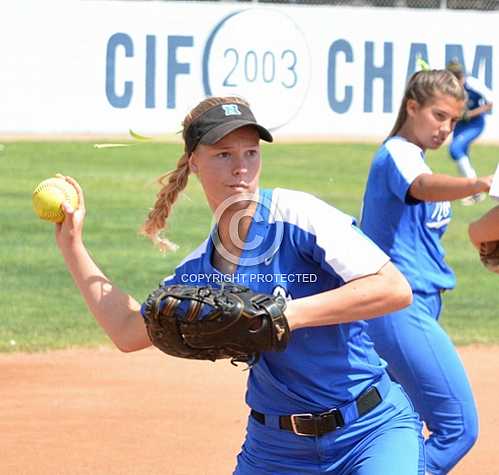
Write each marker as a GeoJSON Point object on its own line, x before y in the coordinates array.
{"type": "Point", "coordinates": [261, 55]}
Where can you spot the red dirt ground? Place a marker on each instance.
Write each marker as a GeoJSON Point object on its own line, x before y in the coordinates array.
{"type": "Point", "coordinates": [103, 412]}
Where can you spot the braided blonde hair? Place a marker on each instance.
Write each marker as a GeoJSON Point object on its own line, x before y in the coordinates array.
{"type": "Point", "coordinates": [174, 182]}
{"type": "Point", "coordinates": [424, 86]}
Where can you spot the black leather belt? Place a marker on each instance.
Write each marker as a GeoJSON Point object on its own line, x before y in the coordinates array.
{"type": "Point", "coordinates": [316, 425]}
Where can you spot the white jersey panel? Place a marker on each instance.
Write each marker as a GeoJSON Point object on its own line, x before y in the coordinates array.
{"type": "Point", "coordinates": [347, 250]}
{"type": "Point", "coordinates": [479, 88]}
{"type": "Point", "coordinates": [408, 158]}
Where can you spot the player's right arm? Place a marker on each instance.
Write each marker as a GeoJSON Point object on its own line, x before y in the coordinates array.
{"type": "Point", "coordinates": [485, 228]}
{"type": "Point", "coordinates": [483, 109]}
{"type": "Point", "coordinates": [439, 187]}
{"type": "Point", "coordinates": [410, 178]}
{"type": "Point", "coordinates": [116, 312]}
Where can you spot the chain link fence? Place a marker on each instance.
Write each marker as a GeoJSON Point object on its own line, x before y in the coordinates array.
{"type": "Point", "coordinates": [484, 5]}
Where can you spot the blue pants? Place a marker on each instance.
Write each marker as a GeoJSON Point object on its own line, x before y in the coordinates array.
{"type": "Point", "coordinates": [463, 135]}
{"type": "Point", "coordinates": [387, 440]}
{"type": "Point", "coordinates": [423, 360]}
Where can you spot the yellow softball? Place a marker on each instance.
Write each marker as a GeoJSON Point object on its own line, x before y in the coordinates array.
{"type": "Point", "coordinates": [48, 197]}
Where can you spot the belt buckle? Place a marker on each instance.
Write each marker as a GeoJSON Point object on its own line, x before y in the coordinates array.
{"type": "Point", "coordinates": [293, 423]}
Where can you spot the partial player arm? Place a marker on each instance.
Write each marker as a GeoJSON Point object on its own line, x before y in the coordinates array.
{"type": "Point", "coordinates": [116, 312]}
{"type": "Point", "coordinates": [409, 176]}
{"type": "Point", "coordinates": [372, 284]}
{"type": "Point", "coordinates": [367, 297]}
{"type": "Point", "coordinates": [439, 187]}
{"type": "Point", "coordinates": [478, 87]}
{"type": "Point", "coordinates": [483, 109]}
{"type": "Point", "coordinates": [485, 228]}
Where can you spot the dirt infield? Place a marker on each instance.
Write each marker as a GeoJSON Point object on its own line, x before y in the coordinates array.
{"type": "Point", "coordinates": [103, 412]}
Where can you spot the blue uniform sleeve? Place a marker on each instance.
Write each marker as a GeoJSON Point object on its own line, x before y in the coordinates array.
{"type": "Point", "coordinates": [405, 163]}
{"type": "Point", "coordinates": [331, 239]}
{"type": "Point", "coordinates": [350, 256]}
{"type": "Point", "coordinates": [475, 86]}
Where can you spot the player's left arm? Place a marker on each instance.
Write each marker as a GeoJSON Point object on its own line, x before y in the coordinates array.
{"type": "Point", "coordinates": [360, 299]}
{"type": "Point", "coordinates": [372, 285]}
{"type": "Point", "coordinates": [485, 228]}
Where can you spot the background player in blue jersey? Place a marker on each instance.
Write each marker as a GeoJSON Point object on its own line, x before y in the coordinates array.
{"type": "Point", "coordinates": [470, 125]}
{"type": "Point", "coordinates": [405, 211]}
{"type": "Point", "coordinates": [326, 403]}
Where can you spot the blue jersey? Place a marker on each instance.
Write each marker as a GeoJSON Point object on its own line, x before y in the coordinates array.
{"type": "Point", "coordinates": [477, 95]}
{"type": "Point", "coordinates": [409, 231]}
{"type": "Point", "coordinates": [304, 247]}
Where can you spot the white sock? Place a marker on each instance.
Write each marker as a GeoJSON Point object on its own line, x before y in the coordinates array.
{"type": "Point", "coordinates": [465, 168]}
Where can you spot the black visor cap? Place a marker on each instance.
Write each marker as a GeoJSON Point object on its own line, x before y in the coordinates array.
{"type": "Point", "coordinates": [220, 121]}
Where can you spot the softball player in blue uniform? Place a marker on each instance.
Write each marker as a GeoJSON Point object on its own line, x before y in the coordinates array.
{"type": "Point", "coordinates": [471, 125]}
{"type": "Point", "coordinates": [405, 211]}
{"type": "Point", "coordinates": [325, 367]}
{"type": "Point", "coordinates": [325, 404]}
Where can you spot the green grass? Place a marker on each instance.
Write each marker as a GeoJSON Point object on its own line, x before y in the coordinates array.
{"type": "Point", "coordinates": [43, 310]}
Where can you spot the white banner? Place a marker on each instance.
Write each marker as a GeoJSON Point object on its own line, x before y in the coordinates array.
{"type": "Point", "coordinates": [102, 67]}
